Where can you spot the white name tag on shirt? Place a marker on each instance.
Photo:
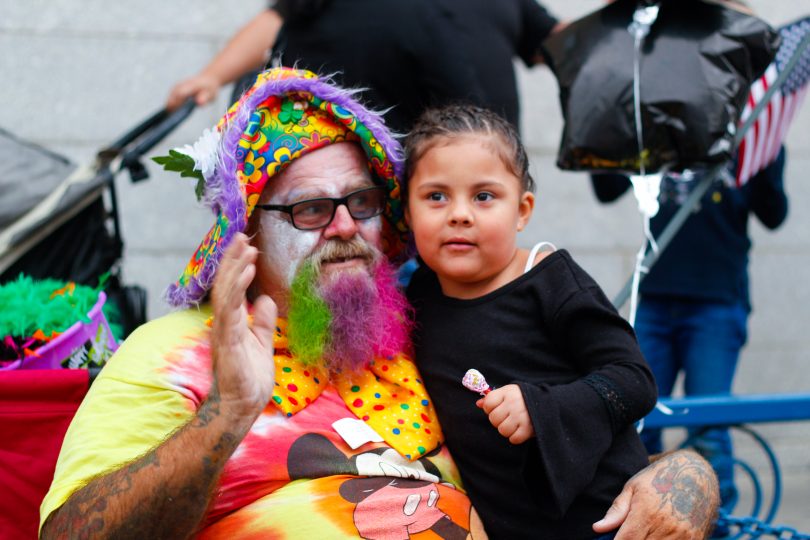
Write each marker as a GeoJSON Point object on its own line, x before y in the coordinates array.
{"type": "Point", "coordinates": [355, 432]}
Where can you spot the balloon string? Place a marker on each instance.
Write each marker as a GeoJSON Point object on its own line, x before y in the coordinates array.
{"type": "Point", "coordinates": [639, 37]}
{"type": "Point", "coordinates": [639, 266]}
{"type": "Point", "coordinates": [643, 18]}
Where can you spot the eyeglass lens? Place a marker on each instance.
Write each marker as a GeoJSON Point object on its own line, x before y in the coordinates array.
{"type": "Point", "coordinates": [318, 213]}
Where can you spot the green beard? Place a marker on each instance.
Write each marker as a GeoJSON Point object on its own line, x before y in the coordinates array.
{"type": "Point", "coordinates": [308, 318]}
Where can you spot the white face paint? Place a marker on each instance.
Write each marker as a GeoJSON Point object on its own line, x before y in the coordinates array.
{"type": "Point", "coordinates": [285, 246]}
{"type": "Point", "coordinates": [332, 171]}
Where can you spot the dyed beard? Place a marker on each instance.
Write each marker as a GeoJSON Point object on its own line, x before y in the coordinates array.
{"type": "Point", "coordinates": [343, 321]}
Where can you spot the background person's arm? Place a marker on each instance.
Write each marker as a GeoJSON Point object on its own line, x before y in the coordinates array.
{"type": "Point", "coordinates": [247, 50]}
{"type": "Point", "coordinates": [769, 201]}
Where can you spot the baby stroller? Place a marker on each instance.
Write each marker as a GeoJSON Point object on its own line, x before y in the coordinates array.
{"type": "Point", "coordinates": [64, 225]}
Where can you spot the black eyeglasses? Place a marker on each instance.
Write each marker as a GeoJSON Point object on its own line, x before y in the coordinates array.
{"type": "Point", "coordinates": [318, 213]}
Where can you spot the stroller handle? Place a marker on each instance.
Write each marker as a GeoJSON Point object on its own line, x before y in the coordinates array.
{"type": "Point", "coordinates": [145, 136]}
{"type": "Point", "coordinates": [155, 133]}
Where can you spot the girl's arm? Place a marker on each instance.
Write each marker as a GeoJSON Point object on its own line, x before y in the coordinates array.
{"type": "Point", "coordinates": [583, 428]}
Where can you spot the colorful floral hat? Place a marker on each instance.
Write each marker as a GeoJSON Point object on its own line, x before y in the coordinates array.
{"type": "Point", "coordinates": [286, 114]}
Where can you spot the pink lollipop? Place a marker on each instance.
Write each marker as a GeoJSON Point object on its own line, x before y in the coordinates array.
{"type": "Point", "coordinates": [476, 382]}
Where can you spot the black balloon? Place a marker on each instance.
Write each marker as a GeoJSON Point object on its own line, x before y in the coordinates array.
{"type": "Point", "coordinates": [696, 68]}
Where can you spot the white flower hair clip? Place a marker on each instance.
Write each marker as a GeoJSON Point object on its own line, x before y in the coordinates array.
{"type": "Point", "coordinates": [195, 161]}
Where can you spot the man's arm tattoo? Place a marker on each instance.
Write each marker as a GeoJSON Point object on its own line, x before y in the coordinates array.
{"type": "Point", "coordinates": [688, 485]}
{"type": "Point", "coordinates": [160, 495]}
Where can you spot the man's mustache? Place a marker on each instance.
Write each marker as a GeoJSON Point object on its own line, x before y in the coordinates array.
{"type": "Point", "coordinates": [343, 250]}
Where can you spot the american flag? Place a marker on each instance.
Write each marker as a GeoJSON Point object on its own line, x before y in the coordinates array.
{"type": "Point", "coordinates": [762, 141]}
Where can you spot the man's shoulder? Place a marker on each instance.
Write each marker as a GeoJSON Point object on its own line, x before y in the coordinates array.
{"type": "Point", "coordinates": [150, 341]}
{"type": "Point", "coordinates": [184, 319]}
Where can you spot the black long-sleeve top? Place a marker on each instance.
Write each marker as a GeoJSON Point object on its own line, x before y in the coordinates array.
{"type": "Point", "coordinates": [708, 259]}
{"type": "Point", "coordinates": [553, 332]}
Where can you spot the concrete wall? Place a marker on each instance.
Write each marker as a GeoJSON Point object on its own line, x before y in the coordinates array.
{"type": "Point", "coordinates": [78, 73]}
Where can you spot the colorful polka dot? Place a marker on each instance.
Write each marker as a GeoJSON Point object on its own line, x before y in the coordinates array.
{"type": "Point", "coordinates": [386, 396]}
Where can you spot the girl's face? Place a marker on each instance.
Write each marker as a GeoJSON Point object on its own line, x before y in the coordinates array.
{"type": "Point", "coordinates": [465, 208]}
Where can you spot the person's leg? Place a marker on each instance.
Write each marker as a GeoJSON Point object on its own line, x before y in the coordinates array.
{"type": "Point", "coordinates": [711, 338]}
{"type": "Point", "coordinates": [654, 330]}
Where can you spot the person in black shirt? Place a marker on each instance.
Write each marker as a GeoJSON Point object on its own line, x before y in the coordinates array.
{"type": "Point", "coordinates": [407, 54]}
{"type": "Point", "coordinates": [555, 440]}
{"type": "Point", "coordinates": [495, 34]}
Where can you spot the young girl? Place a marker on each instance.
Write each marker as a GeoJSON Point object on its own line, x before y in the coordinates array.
{"type": "Point", "coordinates": [553, 443]}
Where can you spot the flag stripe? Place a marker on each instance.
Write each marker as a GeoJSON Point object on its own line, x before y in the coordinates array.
{"type": "Point", "coordinates": [761, 144]}
{"type": "Point", "coordinates": [771, 144]}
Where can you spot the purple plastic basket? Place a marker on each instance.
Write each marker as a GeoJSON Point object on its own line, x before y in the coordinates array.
{"type": "Point", "coordinates": [72, 342]}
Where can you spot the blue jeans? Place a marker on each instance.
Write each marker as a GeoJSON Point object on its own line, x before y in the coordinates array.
{"type": "Point", "coordinates": [703, 340]}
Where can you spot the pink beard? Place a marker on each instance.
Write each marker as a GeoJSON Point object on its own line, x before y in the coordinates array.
{"type": "Point", "coordinates": [370, 317]}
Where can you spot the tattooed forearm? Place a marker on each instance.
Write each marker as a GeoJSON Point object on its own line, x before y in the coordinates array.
{"type": "Point", "coordinates": [209, 410]}
{"type": "Point", "coordinates": [163, 494]}
{"type": "Point", "coordinates": [687, 486]}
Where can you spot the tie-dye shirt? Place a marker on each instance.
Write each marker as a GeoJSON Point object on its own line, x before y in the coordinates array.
{"type": "Point", "coordinates": [291, 477]}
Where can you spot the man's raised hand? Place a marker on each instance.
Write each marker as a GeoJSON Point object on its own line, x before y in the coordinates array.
{"type": "Point", "coordinates": [244, 371]}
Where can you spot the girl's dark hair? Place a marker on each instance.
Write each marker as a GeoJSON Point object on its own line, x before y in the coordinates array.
{"type": "Point", "coordinates": [456, 120]}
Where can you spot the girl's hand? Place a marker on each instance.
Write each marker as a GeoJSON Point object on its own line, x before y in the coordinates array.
{"type": "Point", "coordinates": [507, 412]}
